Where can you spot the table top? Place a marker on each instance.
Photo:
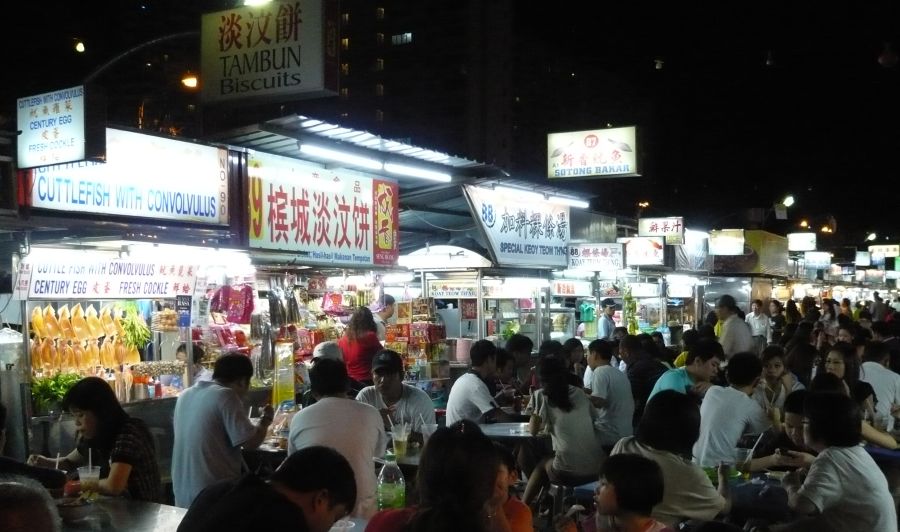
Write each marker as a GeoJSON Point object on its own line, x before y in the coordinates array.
{"type": "Point", "coordinates": [277, 453]}
{"type": "Point", "coordinates": [880, 453]}
{"type": "Point", "coordinates": [507, 430]}
{"type": "Point", "coordinates": [121, 514]}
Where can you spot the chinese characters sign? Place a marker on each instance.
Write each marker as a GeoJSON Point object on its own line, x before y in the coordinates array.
{"type": "Point", "coordinates": [277, 49]}
{"type": "Point", "coordinates": [324, 216]}
{"type": "Point", "coordinates": [103, 279]}
{"type": "Point", "coordinates": [672, 228]}
{"type": "Point", "coordinates": [596, 257]}
{"type": "Point", "coordinates": [522, 233]}
{"type": "Point", "coordinates": [144, 176]}
{"type": "Point", "coordinates": [53, 129]}
{"type": "Point", "coordinates": [597, 153]}
{"type": "Point", "coordinates": [565, 288]}
{"type": "Point", "coordinates": [888, 250]}
{"type": "Point", "coordinates": [643, 250]}
{"type": "Point", "coordinates": [452, 289]}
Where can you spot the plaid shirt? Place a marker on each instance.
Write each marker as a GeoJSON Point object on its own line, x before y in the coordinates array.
{"type": "Point", "coordinates": [134, 446]}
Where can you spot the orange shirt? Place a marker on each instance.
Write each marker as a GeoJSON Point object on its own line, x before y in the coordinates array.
{"type": "Point", "coordinates": [519, 515]}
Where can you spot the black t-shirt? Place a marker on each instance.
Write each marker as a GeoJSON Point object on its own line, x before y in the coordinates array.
{"type": "Point", "coordinates": [249, 504]}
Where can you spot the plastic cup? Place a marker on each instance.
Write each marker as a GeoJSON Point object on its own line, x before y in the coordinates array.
{"type": "Point", "coordinates": [742, 459]}
{"type": "Point", "coordinates": [341, 525]}
{"type": "Point", "coordinates": [89, 477]}
{"type": "Point", "coordinates": [427, 430]}
{"type": "Point", "coordinates": [399, 439]}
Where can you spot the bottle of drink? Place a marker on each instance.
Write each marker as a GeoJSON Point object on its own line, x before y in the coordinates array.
{"type": "Point", "coordinates": [391, 488]}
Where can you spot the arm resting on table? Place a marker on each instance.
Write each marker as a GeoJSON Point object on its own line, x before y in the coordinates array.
{"type": "Point", "coordinates": [117, 480]}
{"type": "Point", "coordinates": [876, 437]}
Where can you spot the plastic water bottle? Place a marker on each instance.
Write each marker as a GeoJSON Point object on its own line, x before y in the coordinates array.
{"type": "Point", "coordinates": [391, 488]}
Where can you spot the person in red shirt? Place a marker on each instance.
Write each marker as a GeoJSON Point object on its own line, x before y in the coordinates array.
{"type": "Point", "coordinates": [359, 345]}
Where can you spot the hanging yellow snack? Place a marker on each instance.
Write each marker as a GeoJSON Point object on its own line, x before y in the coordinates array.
{"type": "Point", "coordinates": [37, 322]}
{"type": "Point", "coordinates": [93, 322]}
{"type": "Point", "coordinates": [51, 326]}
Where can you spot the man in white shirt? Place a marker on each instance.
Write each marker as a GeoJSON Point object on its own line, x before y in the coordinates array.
{"type": "Point", "coordinates": [397, 402]}
{"type": "Point", "coordinates": [611, 394]}
{"type": "Point", "coordinates": [470, 397]}
{"type": "Point", "coordinates": [735, 337]}
{"type": "Point", "coordinates": [760, 326]}
{"type": "Point", "coordinates": [606, 324]}
{"type": "Point", "coordinates": [198, 372]}
{"type": "Point", "coordinates": [352, 428]}
{"type": "Point", "coordinates": [211, 426]}
{"type": "Point", "coordinates": [876, 371]}
{"type": "Point", "coordinates": [384, 314]}
{"type": "Point", "coordinates": [727, 413]}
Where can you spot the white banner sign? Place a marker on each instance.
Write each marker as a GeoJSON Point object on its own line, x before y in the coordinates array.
{"type": "Point", "coordinates": [325, 216]}
{"type": "Point", "coordinates": [726, 242]}
{"type": "Point", "coordinates": [144, 177]}
{"type": "Point", "coordinates": [103, 279]}
{"type": "Point", "coordinates": [452, 289]}
{"type": "Point", "coordinates": [566, 288]}
{"type": "Point", "coordinates": [275, 49]}
{"type": "Point", "coordinates": [863, 259]}
{"type": "Point", "coordinates": [817, 260]}
{"type": "Point", "coordinates": [52, 128]}
{"type": "Point", "coordinates": [598, 152]}
{"type": "Point", "coordinates": [672, 228]}
{"type": "Point", "coordinates": [522, 233]}
{"type": "Point", "coordinates": [801, 241]}
{"type": "Point", "coordinates": [887, 250]}
{"type": "Point", "coordinates": [596, 257]}
{"type": "Point", "coordinates": [644, 250]}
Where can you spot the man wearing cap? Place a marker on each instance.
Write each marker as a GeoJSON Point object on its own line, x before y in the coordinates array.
{"type": "Point", "coordinates": [394, 400]}
{"type": "Point", "coordinates": [606, 326]}
{"type": "Point", "coordinates": [735, 337]}
{"type": "Point", "coordinates": [381, 317]}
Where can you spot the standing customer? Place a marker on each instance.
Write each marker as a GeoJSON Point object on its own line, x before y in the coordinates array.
{"type": "Point", "coordinates": [606, 324]}
{"type": "Point", "coordinates": [384, 314]}
{"type": "Point", "coordinates": [211, 426]}
{"type": "Point", "coordinates": [359, 345]}
{"type": "Point", "coordinates": [351, 428]}
{"type": "Point", "coordinates": [760, 327]}
{"type": "Point", "coordinates": [120, 444]}
{"type": "Point", "coordinates": [735, 336]}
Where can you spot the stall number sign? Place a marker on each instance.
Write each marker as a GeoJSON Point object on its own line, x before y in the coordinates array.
{"type": "Point", "coordinates": [322, 215]}
{"type": "Point", "coordinates": [104, 279]}
{"type": "Point", "coordinates": [450, 289]}
{"type": "Point", "coordinates": [671, 228]}
{"type": "Point", "coordinates": [596, 257]}
{"type": "Point", "coordinates": [522, 233]}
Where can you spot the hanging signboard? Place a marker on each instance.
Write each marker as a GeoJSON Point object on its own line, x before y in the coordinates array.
{"type": "Point", "coordinates": [672, 228]}
{"type": "Point", "coordinates": [726, 242]}
{"type": "Point", "coordinates": [817, 260]}
{"type": "Point", "coordinates": [593, 153]}
{"type": "Point", "coordinates": [275, 50]}
{"type": "Point", "coordinates": [863, 259]}
{"type": "Point", "coordinates": [567, 288]}
{"type": "Point", "coordinates": [324, 216]}
{"type": "Point", "coordinates": [596, 257]}
{"type": "Point", "coordinates": [533, 233]}
{"type": "Point", "coordinates": [453, 289]}
{"type": "Point", "coordinates": [643, 250]}
{"type": "Point", "coordinates": [801, 241]}
{"type": "Point", "coordinates": [59, 127]}
{"type": "Point", "coordinates": [83, 278]}
{"type": "Point", "coordinates": [887, 250]}
{"type": "Point", "coordinates": [144, 176]}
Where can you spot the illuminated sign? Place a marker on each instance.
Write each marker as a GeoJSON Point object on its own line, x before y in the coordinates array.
{"type": "Point", "coordinates": [726, 242]}
{"type": "Point", "coordinates": [594, 153]}
{"type": "Point", "coordinates": [59, 127]}
{"type": "Point", "coordinates": [801, 241]}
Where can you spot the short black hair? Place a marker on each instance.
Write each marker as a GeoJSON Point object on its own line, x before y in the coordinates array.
{"type": "Point", "coordinates": [481, 352]}
{"type": "Point", "coordinates": [95, 395]}
{"type": "Point", "coordinates": [638, 482]}
{"type": "Point", "coordinates": [727, 301]}
{"type": "Point", "coordinates": [519, 343]}
{"type": "Point", "coordinates": [318, 467]}
{"type": "Point", "coordinates": [506, 456]}
{"type": "Point", "coordinates": [706, 350]}
{"type": "Point", "coordinates": [503, 357]}
{"type": "Point", "coordinates": [793, 403]}
{"type": "Point", "coordinates": [743, 369]}
{"type": "Point", "coordinates": [232, 367]}
{"type": "Point", "coordinates": [389, 299]}
{"type": "Point", "coordinates": [834, 419]}
{"type": "Point", "coordinates": [671, 422]}
{"type": "Point", "coordinates": [689, 338]}
{"type": "Point", "coordinates": [876, 352]}
{"type": "Point", "coordinates": [196, 352]}
{"type": "Point", "coordinates": [602, 347]}
{"type": "Point", "coordinates": [328, 377]}
{"type": "Point", "coordinates": [827, 382]}
{"type": "Point", "coordinates": [772, 351]}
{"type": "Point", "coordinates": [630, 343]}
{"type": "Point", "coordinates": [550, 348]}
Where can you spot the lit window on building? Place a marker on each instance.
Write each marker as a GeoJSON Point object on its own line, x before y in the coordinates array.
{"type": "Point", "coordinates": [379, 13]}
{"type": "Point", "coordinates": [379, 115]}
{"type": "Point", "coordinates": [345, 92]}
{"type": "Point", "coordinates": [345, 69]}
{"type": "Point", "coordinates": [345, 115]}
{"type": "Point", "coordinates": [345, 18]}
{"type": "Point", "coordinates": [379, 64]}
{"type": "Point", "coordinates": [402, 38]}
{"type": "Point", "coordinates": [345, 43]}
{"type": "Point", "coordinates": [379, 38]}
{"type": "Point", "coordinates": [379, 89]}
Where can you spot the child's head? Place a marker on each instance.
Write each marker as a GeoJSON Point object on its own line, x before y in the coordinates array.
{"type": "Point", "coordinates": [744, 369]}
{"type": "Point", "coordinates": [629, 484]}
{"type": "Point", "coordinates": [600, 352]}
{"type": "Point", "coordinates": [507, 472]}
{"type": "Point", "coordinates": [773, 362]}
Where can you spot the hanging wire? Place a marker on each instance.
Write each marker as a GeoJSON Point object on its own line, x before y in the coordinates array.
{"type": "Point", "coordinates": [426, 222]}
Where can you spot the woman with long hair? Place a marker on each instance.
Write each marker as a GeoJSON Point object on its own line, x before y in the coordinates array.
{"type": "Point", "coordinates": [800, 361]}
{"type": "Point", "coordinates": [457, 472]}
{"type": "Point", "coordinates": [120, 444]}
{"type": "Point", "coordinates": [359, 345]}
{"type": "Point", "coordinates": [842, 362]}
{"type": "Point", "coordinates": [566, 413]}
{"type": "Point", "coordinates": [792, 313]}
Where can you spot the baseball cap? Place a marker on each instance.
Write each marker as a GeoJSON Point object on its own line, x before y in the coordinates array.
{"type": "Point", "coordinates": [328, 349]}
{"type": "Point", "coordinates": [387, 360]}
{"type": "Point", "coordinates": [608, 302]}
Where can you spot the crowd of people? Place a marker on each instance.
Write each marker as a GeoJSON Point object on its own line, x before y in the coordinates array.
{"type": "Point", "coordinates": [660, 430]}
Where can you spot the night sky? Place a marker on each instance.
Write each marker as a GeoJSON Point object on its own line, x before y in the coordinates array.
{"type": "Point", "coordinates": [722, 131]}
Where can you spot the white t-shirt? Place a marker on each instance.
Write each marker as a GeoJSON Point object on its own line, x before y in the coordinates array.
{"type": "Point", "coordinates": [575, 442]}
{"type": "Point", "coordinates": [588, 379]}
{"type": "Point", "coordinates": [725, 415]}
{"type": "Point", "coordinates": [736, 337]}
{"type": "Point", "coordinates": [210, 425]}
{"type": "Point", "coordinates": [414, 405]}
{"type": "Point", "coordinates": [759, 394]}
{"type": "Point", "coordinates": [353, 429]}
{"type": "Point", "coordinates": [380, 327]}
{"type": "Point", "coordinates": [469, 399]}
{"type": "Point", "coordinates": [615, 421]}
{"type": "Point", "coordinates": [886, 384]}
{"type": "Point", "coordinates": [850, 491]}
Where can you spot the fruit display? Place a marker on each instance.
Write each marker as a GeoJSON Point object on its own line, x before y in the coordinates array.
{"type": "Point", "coordinates": [629, 312]}
{"type": "Point", "coordinates": [165, 320]}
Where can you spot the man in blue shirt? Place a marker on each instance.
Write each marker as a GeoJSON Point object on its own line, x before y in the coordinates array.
{"type": "Point", "coordinates": [694, 378]}
{"type": "Point", "coordinates": [606, 325]}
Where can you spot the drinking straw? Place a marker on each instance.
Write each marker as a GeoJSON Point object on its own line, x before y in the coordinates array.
{"type": "Point", "coordinates": [391, 421]}
{"type": "Point", "coordinates": [422, 419]}
{"type": "Point", "coordinates": [250, 412]}
{"type": "Point", "coordinates": [89, 459]}
{"type": "Point", "coordinates": [752, 449]}
{"type": "Point", "coordinates": [57, 459]}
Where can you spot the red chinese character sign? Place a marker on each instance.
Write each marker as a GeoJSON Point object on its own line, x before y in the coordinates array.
{"type": "Point", "coordinates": [278, 49]}
{"type": "Point", "coordinates": [324, 216]}
{"type": "Point", "coordinates": [594, 153]}
{"type": "Point", "coordinates": [81, 277]}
